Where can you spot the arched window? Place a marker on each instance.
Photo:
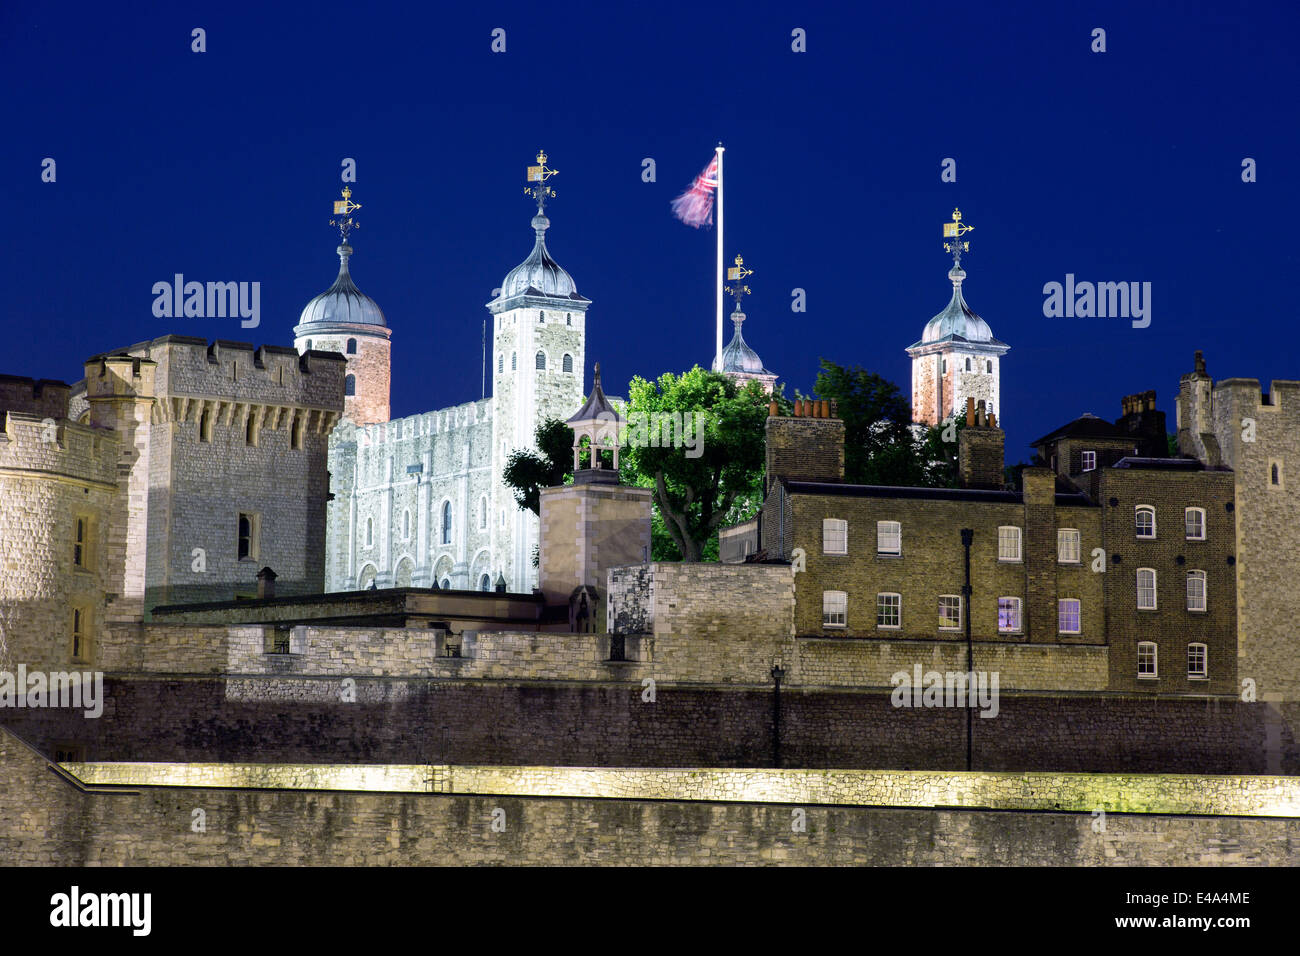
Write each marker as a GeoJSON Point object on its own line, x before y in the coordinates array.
{"type": "Point", "coordinates": [943, 366]}
{"type": "Point", "coordinates": [988, 365]}
{"type": "Point", "coordinates": [501, 364]}
{"type": "Point", "coordinates": [406, 523]}
{"type": "Point", "coordinates": [512, 361]}
{"type": "Point", "coordinates": [370, 532]}
{"type": "Point", "coordinates": [541, 360]}
{"type": "Point", "coordinates": [568, 363]}
{"type": "Point", "coordinates": [350, 385]}
{"type": "Point", "coordinates": [352, 346]}
{"type": "Point", "coordinates": [446, 522]}
{"type": "Point", "coordinates": [968, 364]}
{"type": "Point", "coordinates": [1145, 517]}
{"type": "Point", "coordinates": [541, 316]}
{"type": "Point", "coordinates": [445, 584]}
{"type": "Point", "coordinates": [485, 582]}
{"type": "Point", "coordinates": [568, 318]}
{"type": "Point", "coordinates": [1274, 474]}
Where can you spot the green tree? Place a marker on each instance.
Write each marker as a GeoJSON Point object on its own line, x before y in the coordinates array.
{"type": "Point", "coordinates": [878, 444]}
{"type": "Point", "coordinates": [528, 472]}
{"type": "Point", "coordinates": [698, 490]}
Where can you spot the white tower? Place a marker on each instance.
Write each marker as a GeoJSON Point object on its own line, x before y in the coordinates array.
{"type": "Point", "coordinates": [957, 356]}
{"type": "Point", "coordinates": [538, 353]}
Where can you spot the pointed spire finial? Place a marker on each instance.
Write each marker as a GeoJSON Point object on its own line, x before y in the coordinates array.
{"type": "Point", "coordinates": [597, 383]}
{"type": "Point", "coordinates": [737, 274]}
{"type": "Point", "coordinates": [539, 174]}
{"type": "Point", "coordinates": [954, 231]}
{"type": "Point", "coordinates": [345, 207]}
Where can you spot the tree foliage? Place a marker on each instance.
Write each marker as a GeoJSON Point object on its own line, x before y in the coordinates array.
{"type": "Point", "coordinates": [528, 472]}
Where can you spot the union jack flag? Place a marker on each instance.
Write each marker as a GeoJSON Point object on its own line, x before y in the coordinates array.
{"type": "Point", "coordinates": [695, 206]}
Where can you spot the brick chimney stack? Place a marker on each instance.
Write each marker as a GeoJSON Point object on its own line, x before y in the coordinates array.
{"type": "Point", "coordinates": [1144, 424]}
{"type": "Point", "coordinates": [980, 449]}
{"type": "Point", "coordinates": [807, 446]}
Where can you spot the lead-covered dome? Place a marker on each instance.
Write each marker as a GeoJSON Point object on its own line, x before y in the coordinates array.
{"type": "Point", "coordinates": [738, 356]}
{"type": "Point", "coordinates": [539, 274]}
{"type": "Point", "coordinates": [343, 302]}
{"type": "Point", "coordinates": [958, 322]}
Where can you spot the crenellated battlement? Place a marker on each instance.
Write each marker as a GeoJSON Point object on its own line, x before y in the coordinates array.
{"type": "Point", "coordinates": [455, 418]}
{"type": "Point", "coordinates": [58, 447]}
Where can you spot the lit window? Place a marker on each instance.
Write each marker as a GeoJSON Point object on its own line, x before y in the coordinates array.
{"type": "Point", "coordinates": [1008, 543]}
{"type": "Point", "coordinates": [835, 605]}
{"type": "Point", "coordinates": [889, 537]}
{"type": "Point", "coordinates": [1145, 517]}
{"type": "Point", "coordinates": [1146, 589]}
{"type": "Point", "coordinates": [949, 612]}
{"type": "Point", "coordinates": [1146, 659]}
{"type": "Point", "coordinates": [1194, 518]}
{"type": "Point", "coordinates": [1198, 664]}
{"type": "Point", "coordinates": [889, 610]}
{"type": "Point", "coordinates": [1196, 590]}
{"type": "Point", "coordinates": [1068, 547]}
{"type": "Point", "coordinates": [835, 536]}
{"type": "Point", "coordinates": [1068, 616]}
{"type": "Point", "coordinates": [1089, 460]}
{"type": "Point", "coordinates": [1008, 615]}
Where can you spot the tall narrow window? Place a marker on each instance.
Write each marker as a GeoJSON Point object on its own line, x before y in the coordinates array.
{"type": "Point", "coordinates": [568, 318]}
{"type": "Point", "coordinates": [968, 364]}
{"type": "Point", "coordinates": [541, 316]}
{"type": "Point", "coordinates": [1198, 662]}
{"type": "Point", "coordinates": [988, 366]}
{"type": "Point", "coordinates": [1068, 616]}
{"type": "Point", "coordinates": [1196, 590]}
{"type": "Point", "coordinates": [501, 364]}
{"type": "Point", "coordinates": [406, 524]}
{"type": "Point", "coordinates": [247, 548]}
{"type": "Point", "coordinates": [1008, 543]}
{"type": "Point", "coordinates": [949, 612]}
{"type": "Point", "coordinates": [1009, 615]}
{"type": "Point", "coordinates": [1194, 519]}
{"type": "Point", "coordinates": [889, 537]}
{"type": "Point", "coordinates": [352, 346]}
{"type": "Point", "coordinates": [834, 608]}
{"type": "Point", "coordinates": [80, 649]}
{"type": "Point", "coordinates": [1068, 549]}
{"type": "Point", "coordinates": [889, 610]}
{"type": "Point", "coordinates": [512, 361]}
{"type": "Point", "coordinates": [483, 513]}
{"type": "Point", "coordinates": [485, 582]}
{"type": "Point", "coordinates": [295, 432]}
{"type": "Point", "coordinates": [350, 385]}
{"type": "Point", "coordinates": [1274, 474]}
{"type": "Point", "coordinates": [1145, 520]}
{"type": "Point", "coordinates": [1146, 659]}
{"type": "Point", "coordinates": [1089, 461]}
{"type": "Point", "coordinates": [370, 532]}
{"type": "Point", "coordinates": [1146, 589]}
{"type": "Point", "coordinates": [567, 363]}
{"type": "Point", "coordinates": [835, 536]}
{"type": "Point", "coordinates": [205, 426]}
{"type": "Point", "coordinates": [446, 522]}
{"type": "Point", "coordinates": [79, 542]}
{"type": "Point", "coordinates": [541, 360]}
{"type": "Point", "coordinates": [250, 429]}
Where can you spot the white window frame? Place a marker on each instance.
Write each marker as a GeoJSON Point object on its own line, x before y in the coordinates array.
{"type": "Point", "coordinates": [1061, 605]}
{"type": "Point", "coordinates": [1187, 529]}
{"type": "Point", "coordinates": [1004, 552]}
{"type": "Point", "coordinates": [1155, 592]}
{"type": "Point", "coordinates": [883, 535]}
{"type": "Point", "coordinates": [1089, 460]}
{"type": "Point", "coordinates": [1137, 527]}
{"type": "Point", "coordinates": [1203, 673]}
{"type": "Point", "coordinates": [835, 536]}
{"type": "Point", "coordinates": [835, 604]}
{"type": "Point", "coordinates": [1064, 535]}
{"type": "Point", "coordinates": [896, 605]}
{"type": "Point", "coordinates": [1155, 660]}
{"type": "Point", "coordinates": [1019, 607]}
{"type": "Point", "coordinates": [1197, 575]}
{"type": "Point", "coordinates": [960, 609]}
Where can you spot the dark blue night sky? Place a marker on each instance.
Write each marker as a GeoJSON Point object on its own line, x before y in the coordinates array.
{"type": "Point", "coordinates": [1122, 166]}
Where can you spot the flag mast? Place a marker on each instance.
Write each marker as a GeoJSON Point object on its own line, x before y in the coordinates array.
{"type": "Point", "coordinates": [717, 353]}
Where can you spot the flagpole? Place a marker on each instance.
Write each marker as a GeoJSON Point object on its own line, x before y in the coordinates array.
{"type": "Point", "coordinates": [717, 353]}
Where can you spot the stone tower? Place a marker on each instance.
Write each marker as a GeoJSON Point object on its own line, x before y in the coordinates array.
{"type": "Point", "coordinates": [538, 350]}
{"type": "Point", "coordinates": [344, 319]}
{"type": "Point", "coordinates": [957, 357]}
{"type": "Point", "coordinates": [1233, 424]}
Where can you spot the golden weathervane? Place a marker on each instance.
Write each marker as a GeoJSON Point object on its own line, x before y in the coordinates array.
{"type": "Point", "coordinates": [737, 274]}
{"type": "Point", "coordinates": [954, 231]}
{"type": "Point", "coordinates": [539, 174]}
{"type": "Point", "coordinates": [345, 207]}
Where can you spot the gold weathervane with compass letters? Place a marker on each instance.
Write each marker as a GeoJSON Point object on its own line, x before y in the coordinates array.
{"type": "Point", "coordinates": [737, 275]}
{"type": "Point", "coordinates": [953, 231]}
{"type": "Point", "coordinates": [345, 207]}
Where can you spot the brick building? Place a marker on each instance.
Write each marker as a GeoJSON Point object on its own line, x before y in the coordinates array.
{"type": "Point", "coordinates": [1142, 566]}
